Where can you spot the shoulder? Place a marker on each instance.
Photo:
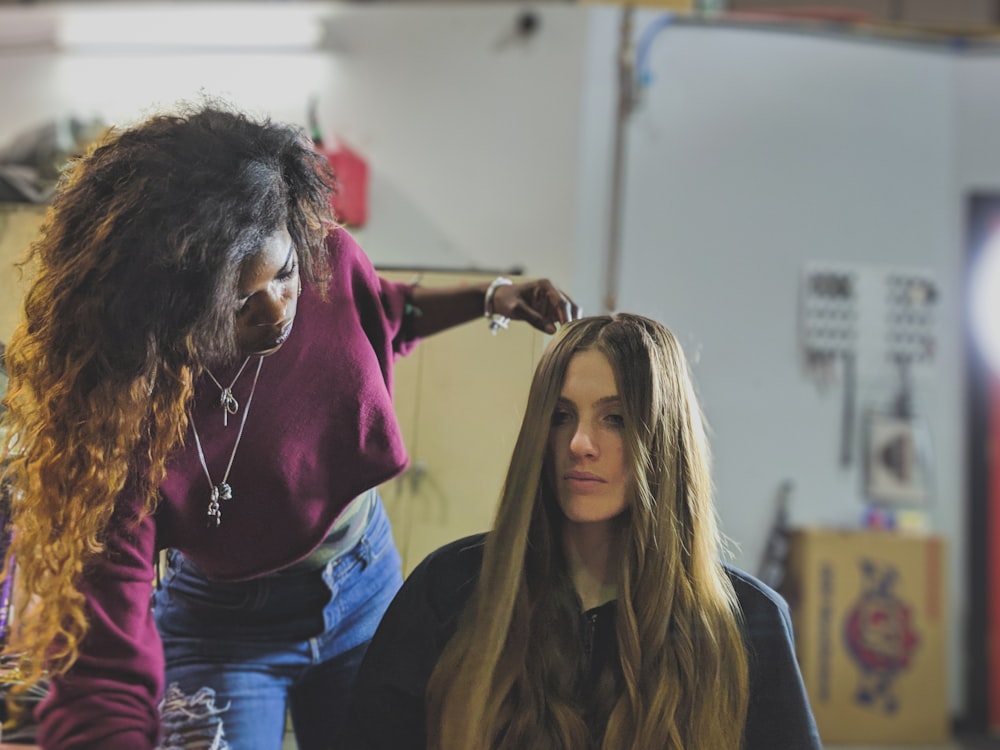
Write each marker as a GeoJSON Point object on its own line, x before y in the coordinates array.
{"type": "Point", "coordinates": [765, 611]}
{"type": "Point", "coordinates": [779, 715]}
{"type": "Point", "coordinates": [339, 240]}
{"type": "Point", "coordinates": [345, 252]}
{"type": "Point", "coordinates": [448, 575]}
{"type": "Point", "coordinates": [753, 590]}
{"type": "Point", "coordinates": [422, 619]}
{"type": "Point", "coordinates": [467, 551]}
{"type": "Point", "coordinates": [354, 275]}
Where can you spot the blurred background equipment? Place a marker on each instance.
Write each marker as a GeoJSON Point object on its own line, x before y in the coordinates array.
{"type": "Point", "coordinates": [30, 163]}
{"type": "Point", "coordinates": [775, 558]}
{"type": "Point", "coordinates": [350, 201]}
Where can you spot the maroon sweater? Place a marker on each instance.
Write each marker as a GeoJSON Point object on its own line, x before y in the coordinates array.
{"type": "Point", "coordinates": [321, 429]}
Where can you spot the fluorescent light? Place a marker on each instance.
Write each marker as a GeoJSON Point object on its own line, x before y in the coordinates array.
{"type": "Point", "coordinates": [984, 301]}
{"type": "Point", "coordinates": [27, 27]}
{"type": "Point", "coordinates": [222, 27]}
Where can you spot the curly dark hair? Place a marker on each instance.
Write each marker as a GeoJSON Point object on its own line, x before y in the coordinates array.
{"type": "Point", "coordinates": [134, 290]}
{"type": "Point", "coordinates": [155, 222]}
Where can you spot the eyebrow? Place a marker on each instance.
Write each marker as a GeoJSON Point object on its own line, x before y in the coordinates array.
{"type": "Point", "coordinates": [606, 400]}
{"type": "Point", "coordinates": [240, 294]}
{"type": "Point", "coordinates": [288, 259]}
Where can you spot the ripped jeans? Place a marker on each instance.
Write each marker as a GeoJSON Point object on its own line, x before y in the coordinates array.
{"type": "Point", "coordinates": [240, 654]}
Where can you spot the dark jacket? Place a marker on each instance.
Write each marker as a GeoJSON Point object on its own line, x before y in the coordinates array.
{"type": "Point", "coordinates": [388, 703]}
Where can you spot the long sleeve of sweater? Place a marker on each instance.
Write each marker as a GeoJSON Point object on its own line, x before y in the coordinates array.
{"type": "Point", "coordinates": [108, 700]}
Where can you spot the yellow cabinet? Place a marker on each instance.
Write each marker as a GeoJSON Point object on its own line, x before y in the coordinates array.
{"type": "Point", "coordinates": [19, 224]}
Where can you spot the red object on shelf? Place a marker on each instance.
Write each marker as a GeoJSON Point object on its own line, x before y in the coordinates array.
{"type": "Point", "coordinates": [350, 201]}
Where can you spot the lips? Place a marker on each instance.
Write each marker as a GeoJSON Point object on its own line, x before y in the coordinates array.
{"type": "Point", "coordinates": [583, 483]}
{"type": "Point", "coordinates": [273, 341]}
{"type": "Point", "coordinates": [283, 335]}
{"type": "Point", "coordinates": [582, 476]}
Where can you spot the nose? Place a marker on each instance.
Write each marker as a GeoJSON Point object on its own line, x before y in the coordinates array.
{"type": "Point", "coordinates": [272, 306]}
{"type": "Point", "coordinates": [582, 443]}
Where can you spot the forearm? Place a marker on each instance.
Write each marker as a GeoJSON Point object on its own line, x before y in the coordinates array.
{"type": "Point", "coordinates": [442, 308]}
{"type": "Point", "coordinates": [538, 303]}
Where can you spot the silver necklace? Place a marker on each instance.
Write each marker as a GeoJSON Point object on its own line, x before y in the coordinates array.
{"type": "Point", "coordinates": [222, 490]}
{"type": "Point", "coordinates": [227, 400]}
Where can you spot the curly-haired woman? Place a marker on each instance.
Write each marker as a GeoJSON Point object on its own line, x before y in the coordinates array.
{"type": "Point", "coordinates": [597, 613]}
{"type": "Point", "coordinates": [205, 365]}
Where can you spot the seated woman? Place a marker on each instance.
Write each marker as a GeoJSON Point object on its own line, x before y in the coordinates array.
{"type": "Point", "coordinates": [597, 614]}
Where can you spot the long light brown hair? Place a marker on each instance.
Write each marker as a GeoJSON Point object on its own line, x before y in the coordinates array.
{"type": "Point", "coordinates": [511, 677]}
{"type": "Point", "coordinates": [134, 292]}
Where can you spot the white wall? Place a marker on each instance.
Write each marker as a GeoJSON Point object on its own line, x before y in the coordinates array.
{"type": "Point", "coordinates": [977, 123]}
{"type": "Point", "coordinates": [471, 136]}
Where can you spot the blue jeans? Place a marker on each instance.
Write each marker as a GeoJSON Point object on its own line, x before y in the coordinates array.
{"type": "Point", "coordinates": [240, 654]}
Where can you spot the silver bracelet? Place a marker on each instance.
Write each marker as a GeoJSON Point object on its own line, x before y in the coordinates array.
{"type": "Point", "coordinates": [496, 320]}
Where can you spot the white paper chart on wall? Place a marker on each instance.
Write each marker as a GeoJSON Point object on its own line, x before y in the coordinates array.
{"type": "Point", "coordinates": [829, 334]}
{"type": "Point", "coordinates": [879, 316]}
{"type": "Point", "coordinates": [829, 314]}
{"type": "Point", "coordinates": [910, 316]}
{"type": "Point", "coordinates": [864, 322]}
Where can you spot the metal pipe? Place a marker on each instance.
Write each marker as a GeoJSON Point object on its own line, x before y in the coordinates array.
{"type": "Point", "coordinates": [626, 103]}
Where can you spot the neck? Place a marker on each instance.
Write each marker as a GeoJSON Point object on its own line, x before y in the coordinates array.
{"type": "Point", "coordinates": [229, 366]}
{"type": "Point", "coordinates": [593, 557]}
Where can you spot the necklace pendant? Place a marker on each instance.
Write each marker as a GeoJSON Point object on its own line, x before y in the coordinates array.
{"type": "Point", "coordinates": [228, 401]}
{"type": "Point", "coordinates": [223, 492]}
{"type": "Point", "coordinates": [229, 405]}
{"type": "Point", "coordinates": [214, 511]}
{"type": "Point", "coordinates": [220, 492]}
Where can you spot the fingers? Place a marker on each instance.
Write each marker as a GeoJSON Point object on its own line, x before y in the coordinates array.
{"type": "Point", "coordinates": [561, 306]}
{"type": "Point", "coordinates": [545, 305]}
{"type": "Point", "coordinates": [538, 303]}
{"type": "Point", "coordinates": [570, 310]}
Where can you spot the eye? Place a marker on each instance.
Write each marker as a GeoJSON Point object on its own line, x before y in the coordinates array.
{"type": "Point", "coordinates": [561, 416]}
{"type": "Point", "coordinates": [615, 420]}
{"type": "Point", "coordinates": [285, 275]}
{"type": "Point", "coordinates": [242, 305]}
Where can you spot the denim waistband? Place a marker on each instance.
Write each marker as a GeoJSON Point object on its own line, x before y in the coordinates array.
{"type": "Point", "coordinates": [346, 532]}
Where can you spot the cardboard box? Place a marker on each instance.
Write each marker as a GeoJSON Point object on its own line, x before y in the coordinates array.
{"type": "Point", "coordinates": [868, 609]}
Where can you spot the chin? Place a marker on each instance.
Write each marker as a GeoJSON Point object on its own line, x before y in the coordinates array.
{"type": "Point", "coordinates": [268, 346]}
{"type": "Point", "coordinates": [591, 515]}
{"type": "Point", "coordinates": [596, 517]}
{"type": "Point", "coordinates": [263, 352]}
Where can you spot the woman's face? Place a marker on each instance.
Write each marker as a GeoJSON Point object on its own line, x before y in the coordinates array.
{"type": "Point", "coordinates": [586, 448]}
{"type": "Point", "coordinates": [268, 292]}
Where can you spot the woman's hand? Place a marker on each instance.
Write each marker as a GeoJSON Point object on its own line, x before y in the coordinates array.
{"type": "Point", "coordinates": [537, 302]}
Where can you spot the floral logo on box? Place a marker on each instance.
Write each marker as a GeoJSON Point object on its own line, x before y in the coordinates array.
{"type": "Point", "coordinates": [880, 636]}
